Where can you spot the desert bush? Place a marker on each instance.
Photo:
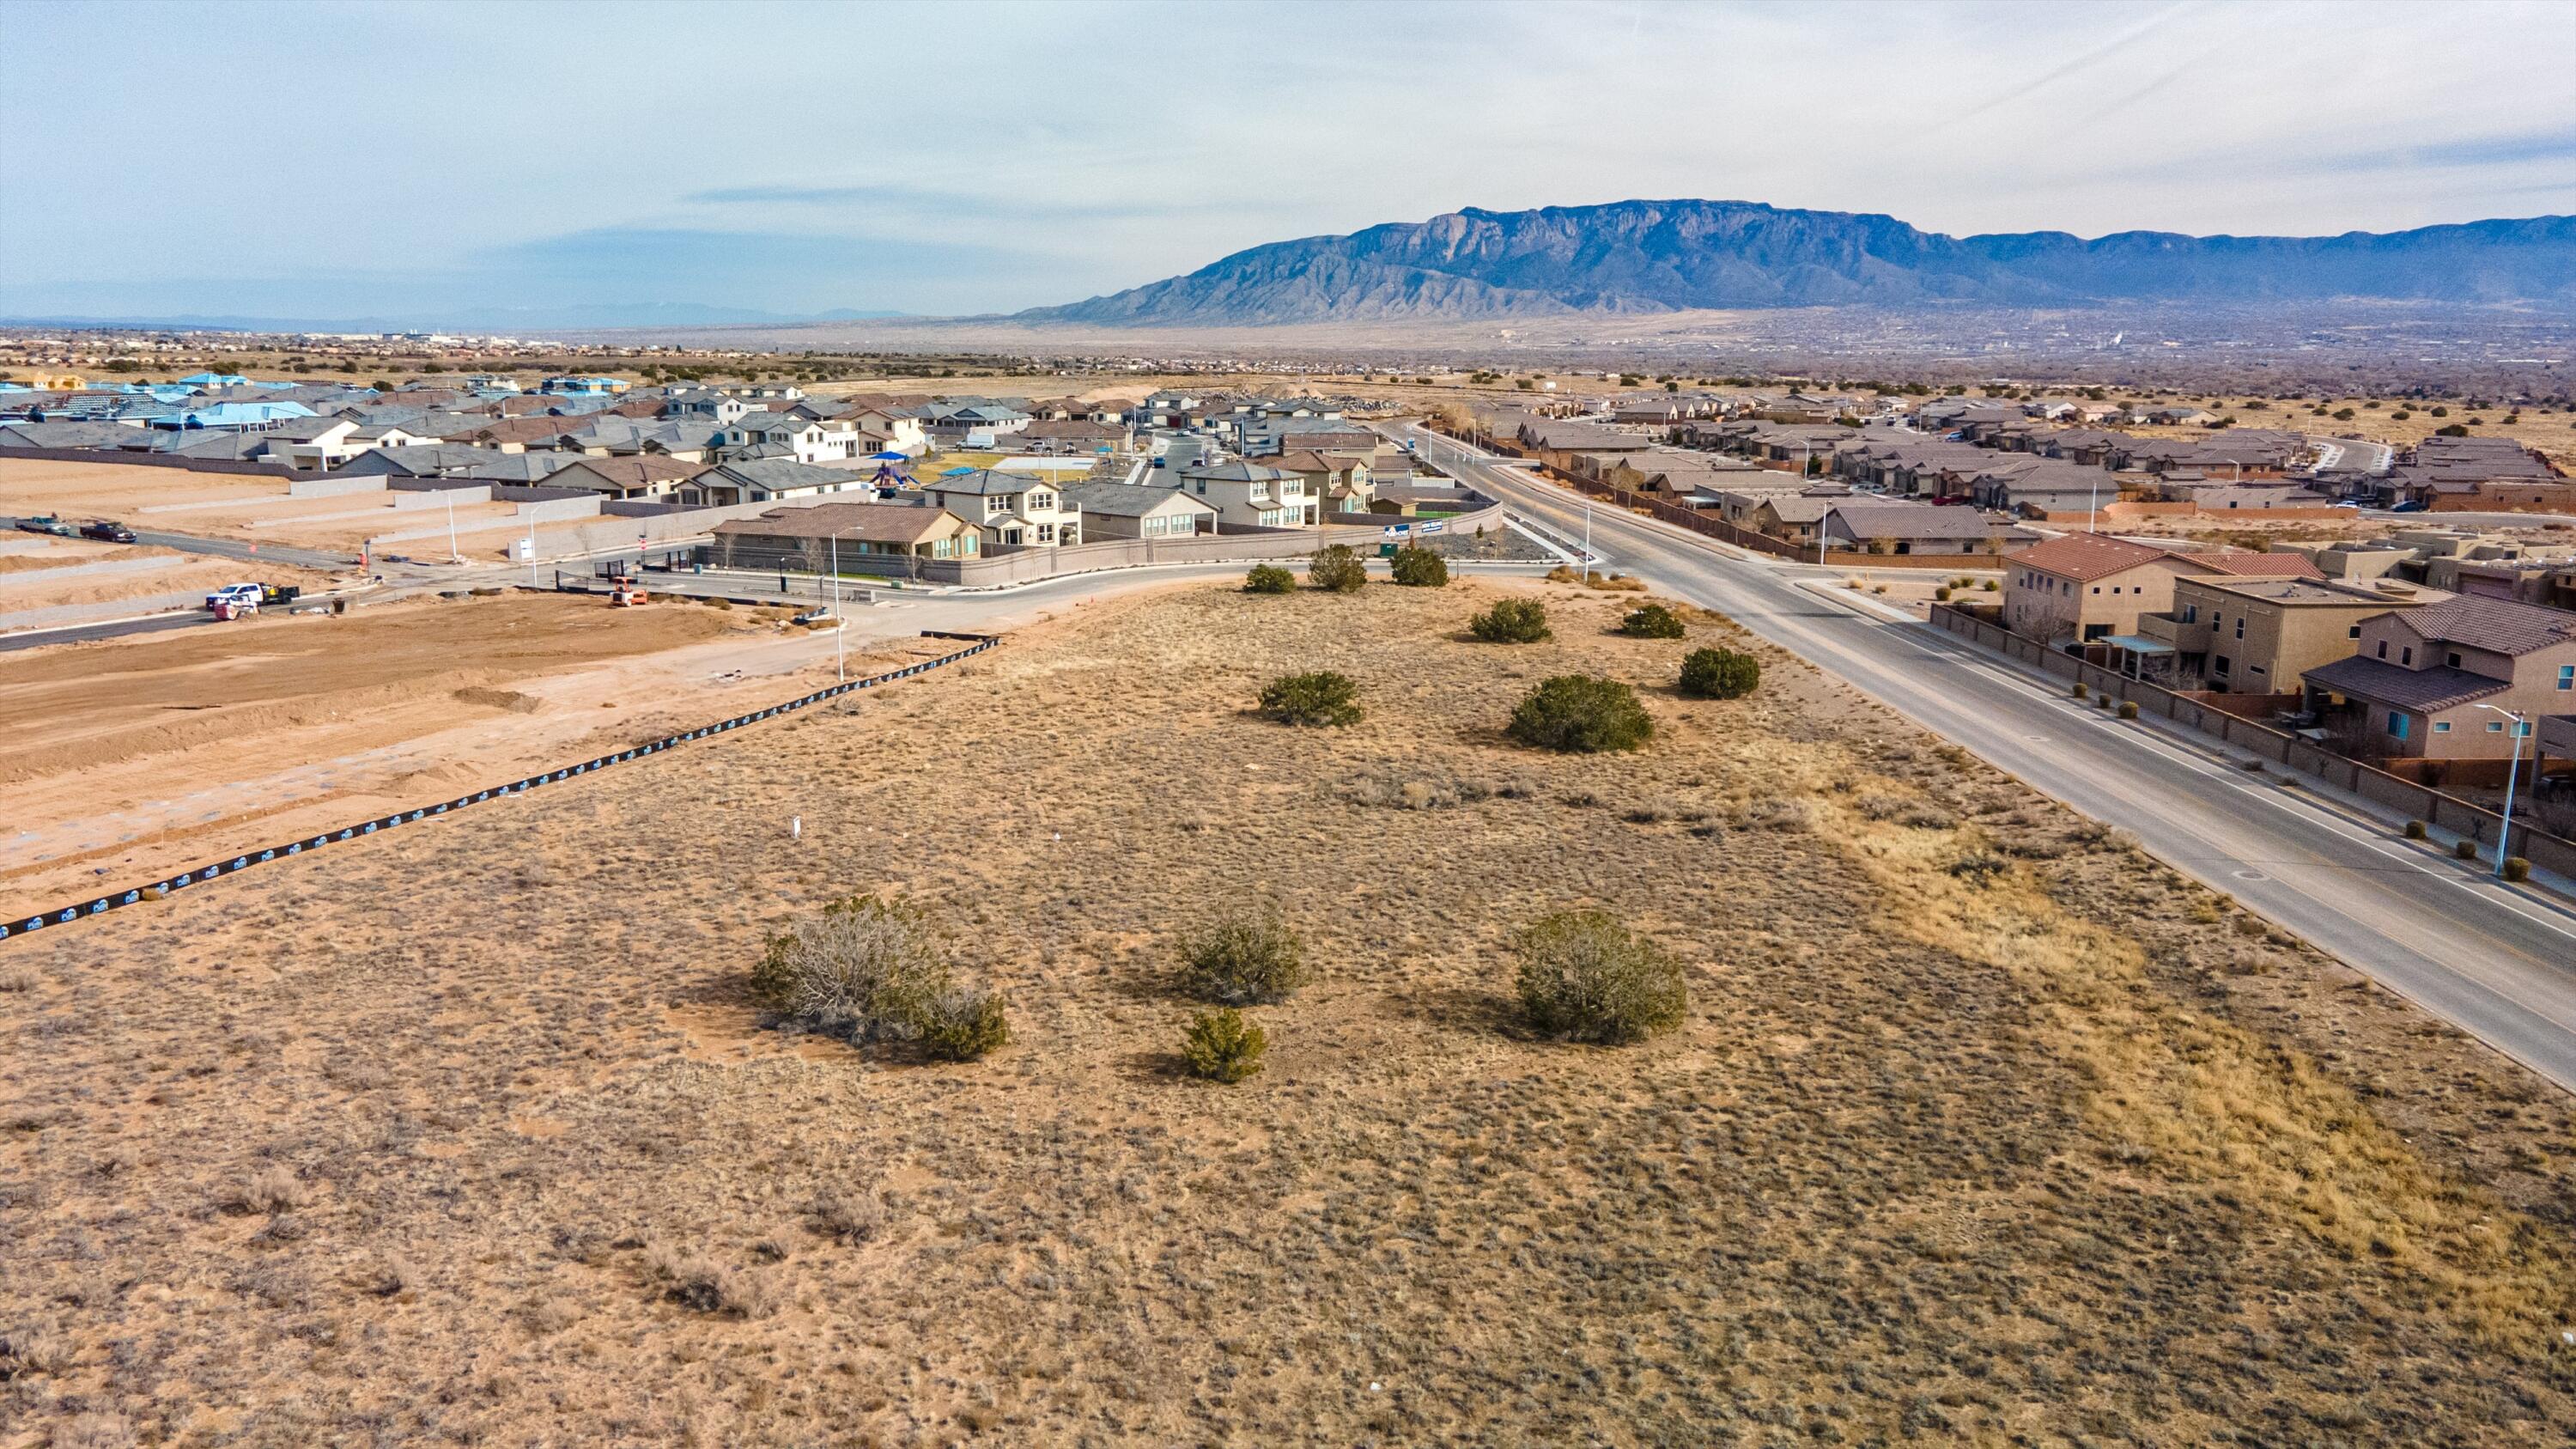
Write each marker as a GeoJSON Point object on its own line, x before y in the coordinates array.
{"type": "Point", "coordinates": [1585, 977]}
{"type": "Point", "coordinates": [1268, 579]}
{"type": "Point", "coordinates": [28, 1349]}
{"type": "Point", "coordinates": [962, 1023]}
{"type": "Point", "coordinates": [1651, 621]}
{"type": "Point", "coordinates": [273, 1189]}
{"type": "Point", "coordinates": [1794, 814]}
{"type": "Point", "coordinates": [1414, 792]}
{"type": "Point", "coordinates": [1252, 959]}
{"type": "Point", "coordinates": [1418, 568]}
{"type": "Point", "coordinates": [863, 966]}
{"type": "Point", "coordinates": [2414, 829]}
{"type": "Point", "coordinates": [2516, 868]}
{"type": "Point", "coordinates": [1223, 1046]}
{"type": "Point", "coordinates": [1511, 621]}
{"type": "Point", "coordinates": [1720, 674]}
{"type": "Point", "coordinates": [705, 1286]}
{"type": "Point", "coordinates": [2128, 709]}
{"type": "Point", "coordinates": [2465, 849]}
{"type": "Point", "coordinates": [1581, 714]}
{"type": "Point", "coordinates": [1337, 569]}
{"type": "Point", "coordinates": [1978, 868]}
{"type": "Point", "coordinates": [1318, 700]}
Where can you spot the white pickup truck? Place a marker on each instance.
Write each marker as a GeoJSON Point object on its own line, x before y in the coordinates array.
{"type": "Point", "coordinates": [233, 601]}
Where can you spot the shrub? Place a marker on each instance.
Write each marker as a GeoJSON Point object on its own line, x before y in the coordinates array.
{"type": "Point", "coordinates": [1720, 674]}
{"type": "Point", "coordinates": [1585, 977]}
{"type": "Point", "coordinates": [863, 966]}
{"type": "Point", "coordinates": [870, 970]}
{"type": "Point", "coordinates": [2078, 690]}
{"type": "Point", "coordinates": [962, 1023]}
{"type": "Point", "coordinates": [1511, 621]}
{"type": "Point", "coordinates": [1254, 959]}
{"type": "Point", "coordinates": [2516, 868]}
{"type": "Point", "coordinates": [1651, 621]}
{"type": "Point", "coordinates": [704, 1286]}
{"type": "Point", "coordinates": [2414, 829]}
{"type": "Point", "coordinates": [1319, 699]}
{"type": "Point", "coordinates": [1419, 568]}
{"type": "Point", "coordinates": [2128, 709]}
{"type": "Point", "coordinates": [1336, 569]}
{"type": "Point", "coordinates": [1581, 714]}
{"type": "Point", "coordinates": [1268, 579]}
{"type": "Point", "coordinates": [2465, 849]}
{"type": "Point", "coordinates": [1223, 1046]}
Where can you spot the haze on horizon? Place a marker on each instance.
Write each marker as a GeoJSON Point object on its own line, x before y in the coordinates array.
{"type": "Point", "coordinates": [422, 161]}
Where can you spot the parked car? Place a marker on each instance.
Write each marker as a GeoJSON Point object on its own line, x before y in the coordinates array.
{"type": "Point", "coordinates": [235, 595]}
{"type": "Point", "coordinates": [107, 531]}
{"type": "Point", "coordinates": [45, 523]}
{"type": "Point", "coordinates": [2411, 505]}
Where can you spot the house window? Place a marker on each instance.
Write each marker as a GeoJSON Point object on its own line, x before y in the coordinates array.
{"type": "Point", "coordinates": [2452, 659]}
{"type": "Point", "coordinates": [2383, 648]}
{"type": "Point", "coordinates": [2567, 676]}
{"type": "Point", "coordinates": [2396, 725]}
{"type": "Point", "coordinates": [2218, 665]}
{"type": "Point", "coordinates": [2406, 655]}
{"type": "Point", "coordinates": [2191, 613]}
{"type": "Point", "coordinates": [2495, 727]}
{"type": "Point", "coordinates": [2097, 588]}
{"type": "Point", "coordinates": [2240, 626]}
{"type": "Point", "coordinates": [2353, 633]}
{"type": "Point", "coordinates": [2441, 727]}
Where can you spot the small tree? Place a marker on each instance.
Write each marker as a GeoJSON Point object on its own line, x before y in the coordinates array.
{"type": "Point", "coordinates": [1585, 977]}
{"type": "Point", "coordinates": [1651, 621]}
{"type": "Point", "coordinates": [1268, 579]}
{"type": "Point", "coordinates": [1720, 674]}
{"type": "Point", "coordinates": [1336, 569]}
{"type": "Point", "coordinates": [1320, 699]}
{"type": "Point", "coordinates": [1581, 714]}
{"type": "Point", "coordinates": [1224, 1046]}
{"type": "Point", "coordinates": [1511, 621]}
{"type": "Point", "coordinates": [1253, 959]}
{"type": "Point", "coordinates": [1418, 568]}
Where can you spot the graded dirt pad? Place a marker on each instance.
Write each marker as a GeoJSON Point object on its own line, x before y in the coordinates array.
{"type": "Point", "coordinates": [1982, 1128]}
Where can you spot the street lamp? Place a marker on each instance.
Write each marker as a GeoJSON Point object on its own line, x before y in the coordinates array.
{"type": "Point", "coordinates": [2512, 770]}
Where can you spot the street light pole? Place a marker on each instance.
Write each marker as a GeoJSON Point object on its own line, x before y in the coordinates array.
{"type": "Point", "coordinates": [2512, 771]}
{"type": "Point", "coordinates": [451, 526]}
{"type": "Point", "coordinates": [840, 648]}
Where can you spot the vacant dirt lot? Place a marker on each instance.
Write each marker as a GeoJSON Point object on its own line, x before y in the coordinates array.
{"type": "Point", "coordinates": [1982, 1128]}
{"type": "Point", "coordinates": [132, 757]}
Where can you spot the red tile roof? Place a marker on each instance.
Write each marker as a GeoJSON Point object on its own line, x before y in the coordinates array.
{"type": "Point", "coordinates": [2084, 557]}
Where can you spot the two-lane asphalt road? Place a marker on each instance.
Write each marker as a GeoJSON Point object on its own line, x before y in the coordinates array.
{"type": "Point", "coordinates": [2497, 962]}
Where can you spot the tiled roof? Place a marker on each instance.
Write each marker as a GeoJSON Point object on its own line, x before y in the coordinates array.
{"type": "Point", "coordinates": [2419, 689]}
{"type": "Point", "coordinates": [2498, 625]}
{"type": "Point", "coordinates": [2084, 557]}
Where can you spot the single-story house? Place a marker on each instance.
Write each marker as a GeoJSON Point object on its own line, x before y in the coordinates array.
{"type": "Point", "coordinates": [1126, 510]}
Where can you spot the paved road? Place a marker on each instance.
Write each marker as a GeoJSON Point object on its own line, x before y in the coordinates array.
{"type": "Point", "coordinates": [228, 548]}
{"type": "Point", "coordinates": [74, 634]}
{"type": "Point", "coordinates": [2498, 963]}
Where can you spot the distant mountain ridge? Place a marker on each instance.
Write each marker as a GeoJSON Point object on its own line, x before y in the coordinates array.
{"type": "Point", "coordinates": [1664, 256]}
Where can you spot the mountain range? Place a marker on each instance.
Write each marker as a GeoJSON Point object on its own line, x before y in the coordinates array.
{"type": "Point", "coordinates": [1667, 256]}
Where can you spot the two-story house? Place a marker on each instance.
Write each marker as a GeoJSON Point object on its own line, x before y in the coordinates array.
{"type": "Point", "coordinates": [1250, 495]}
{"type": "Point", "coordinates": [765, 434]}
{"type": "Point", "coordinates": [2090, 586]}
{"type": "Point", "coordinates": [1013, 509]}
{"type": "Point", "coordinates": [2421, 681]}
{"type": "Point", "coordinates": [2256, 636]}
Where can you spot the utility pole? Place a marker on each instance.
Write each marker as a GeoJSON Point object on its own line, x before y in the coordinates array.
{"type": "Point", "coordinates": [452, 555]}
{"type": "Point", "coordinates": [840, 649]}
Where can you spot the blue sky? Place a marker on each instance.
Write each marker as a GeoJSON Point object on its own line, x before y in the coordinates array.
{"type": "Point", "coordinates": [395, 160]}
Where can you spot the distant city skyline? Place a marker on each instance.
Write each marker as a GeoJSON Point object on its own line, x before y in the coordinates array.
{"type": "Point", "coordinates": [417, 163]}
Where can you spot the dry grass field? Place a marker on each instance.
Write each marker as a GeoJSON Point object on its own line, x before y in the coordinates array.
{"type": "Point", "coordinates": [1982, 1127]}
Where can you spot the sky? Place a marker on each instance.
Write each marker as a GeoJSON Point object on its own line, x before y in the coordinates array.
{"type": "Point", "coordinates": [418, 163]}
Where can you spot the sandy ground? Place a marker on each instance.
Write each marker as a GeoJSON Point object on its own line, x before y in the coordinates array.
{"type": "Point", "coordinates": [255, 510]}
{"type": "Point", "coordinates": [134, 757]}
{"type": "Point", "coordinates": [385, 1144]}
{"type": "Point", "coordinates": [134, 572]}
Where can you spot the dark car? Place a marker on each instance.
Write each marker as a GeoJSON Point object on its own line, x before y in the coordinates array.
{"type": "Point", "coordinates": [107, 532]}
